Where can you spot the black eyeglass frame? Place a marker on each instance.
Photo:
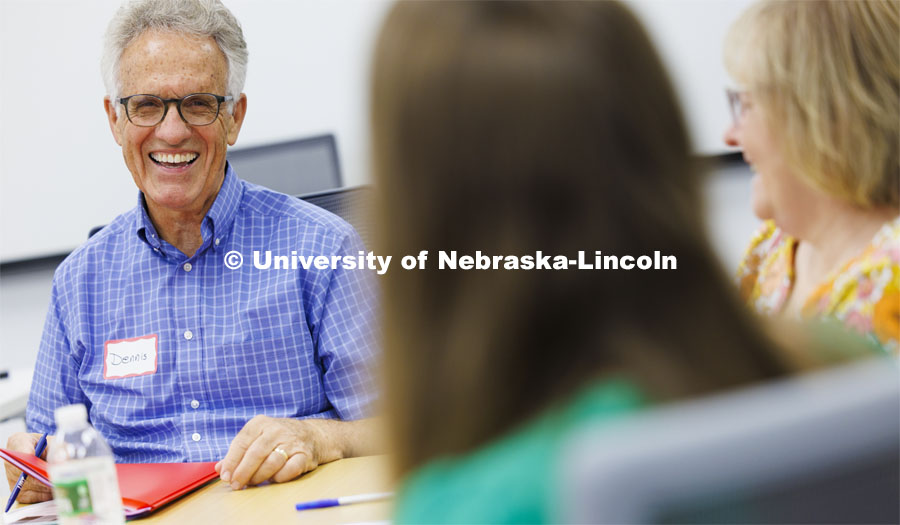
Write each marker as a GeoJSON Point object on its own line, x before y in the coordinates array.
{"type": "Point", "coordinates": [178, 101]}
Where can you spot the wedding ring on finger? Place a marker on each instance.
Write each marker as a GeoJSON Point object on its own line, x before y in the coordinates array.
{"type": "Point", "coordinates": [282, 452]}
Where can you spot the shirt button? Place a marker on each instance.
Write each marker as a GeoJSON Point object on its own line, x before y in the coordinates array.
{"type": "Point", "coordinates": [188, 335]}
{"type": "Point", "coordinates": [195, 437]}
{"type": "Point", "coordinates": [217, 242]}
{"type": "Point", "coordinates": [187, 267]}
{"type": "Point", "coordinates": [195, 404]}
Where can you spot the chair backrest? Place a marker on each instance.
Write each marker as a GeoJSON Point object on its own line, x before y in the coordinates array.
{"type": "Point", "coordinates": [353, 204]}
{"type": "Point", "coordinates": [817, 448]}
{"type": "Point", "coordinates": [292, 167]}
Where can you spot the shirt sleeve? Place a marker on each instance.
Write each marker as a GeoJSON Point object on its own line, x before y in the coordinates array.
{"type": "Point", "coordinates": [347, 337]}
{"type": "Point", "coordinates": [55, 381]}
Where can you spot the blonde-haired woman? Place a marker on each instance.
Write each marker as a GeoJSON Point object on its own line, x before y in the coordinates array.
{"type": "Point", "coordinates": [817, 118]}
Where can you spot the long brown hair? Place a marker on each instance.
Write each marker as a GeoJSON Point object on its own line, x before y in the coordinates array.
{"type": "Point", "coordinates": [512, 127]}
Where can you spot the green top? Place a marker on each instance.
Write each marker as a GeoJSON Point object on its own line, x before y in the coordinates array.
{"type": "Point", "coordinates": [512, 479]}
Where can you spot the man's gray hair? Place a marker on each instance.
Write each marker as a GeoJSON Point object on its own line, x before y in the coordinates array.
{"type": "Point", "coordinates": [204, 18]}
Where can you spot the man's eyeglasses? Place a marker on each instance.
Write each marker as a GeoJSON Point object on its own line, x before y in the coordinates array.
{"type": "Point", "coordinates": [197, 109]}
{"type": "Point", "coordinates": [736, 103]}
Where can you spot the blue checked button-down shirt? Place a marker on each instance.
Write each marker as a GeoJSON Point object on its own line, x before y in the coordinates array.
{"type": "Point", "coordinates": [230, 344]}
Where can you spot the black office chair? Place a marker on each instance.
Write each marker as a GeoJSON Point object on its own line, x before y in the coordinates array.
{"type": "Point", "coordinates": [353, 204]}
{"type": "Point", "coordinates": [816, 448]}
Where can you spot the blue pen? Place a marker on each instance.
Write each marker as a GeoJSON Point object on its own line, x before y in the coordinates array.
{"type": "Point", "coordinates": [38, 450]}
{"type": "Point", "coordinates": [344, 500]}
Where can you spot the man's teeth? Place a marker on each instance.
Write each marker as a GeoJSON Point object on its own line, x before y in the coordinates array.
{"type": "Point", "coordinates": [177, 158]}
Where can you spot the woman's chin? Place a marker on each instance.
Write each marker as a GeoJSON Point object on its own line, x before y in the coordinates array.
{"type": "Point", "coordinates": [762, 212]}
{"type": "Point", "coordinates": [759, 202]}
{"type": "Point", "coordinates": [762, 208]}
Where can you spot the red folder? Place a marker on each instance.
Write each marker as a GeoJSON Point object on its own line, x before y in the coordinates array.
{"type": "Point", "coordinates": [145, 487]}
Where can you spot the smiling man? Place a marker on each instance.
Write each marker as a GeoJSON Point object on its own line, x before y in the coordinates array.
{"type": "Point", "coordinates": [177, 356]}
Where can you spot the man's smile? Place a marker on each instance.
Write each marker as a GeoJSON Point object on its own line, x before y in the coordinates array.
{"type": "Point", "coordinates": [174, 160]}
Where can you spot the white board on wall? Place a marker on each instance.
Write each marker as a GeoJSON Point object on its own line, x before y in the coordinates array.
{"type": "Point", "coordinates": [61, 173]}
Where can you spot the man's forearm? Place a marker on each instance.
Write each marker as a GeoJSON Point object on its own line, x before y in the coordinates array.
{"type": "Point", "coordinates": [346, 439]}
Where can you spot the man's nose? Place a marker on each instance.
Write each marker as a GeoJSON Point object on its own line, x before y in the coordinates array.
{"type": "Point", "coordinates": [731, 136]}
{"type": "Point", "coordinates": [173, 129]}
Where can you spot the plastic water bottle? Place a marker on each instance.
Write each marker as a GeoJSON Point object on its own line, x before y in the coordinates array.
{"type": "Point", "coordinates": [83, 472]}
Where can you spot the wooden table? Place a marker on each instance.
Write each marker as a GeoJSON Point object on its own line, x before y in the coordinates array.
{"type": "Point", "coordinates": [274, 504]}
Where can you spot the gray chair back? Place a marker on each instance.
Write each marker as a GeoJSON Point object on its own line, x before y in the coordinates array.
{"type": "Point", "coordinates": [817, 448]}
{"type": "Point", "coordinates": [293, 167]}
{"type": "Point", "coordinates": [353, 204]}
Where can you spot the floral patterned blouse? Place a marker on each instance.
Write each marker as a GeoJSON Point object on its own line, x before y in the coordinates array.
{"type": "Point", "coordinates": [864, 295]}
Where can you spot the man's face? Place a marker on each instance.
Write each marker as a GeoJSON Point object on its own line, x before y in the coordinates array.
{"type": "Point", "coordinates": [171, 65]}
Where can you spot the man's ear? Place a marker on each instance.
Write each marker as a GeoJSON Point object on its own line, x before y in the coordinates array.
{"type": "Point", "coordinates": [240, 109]}
{"type": "Point", "coordinates": [113, 116]}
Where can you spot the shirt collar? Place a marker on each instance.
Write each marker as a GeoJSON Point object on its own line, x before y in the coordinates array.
{"type": "Point", "coordinates": [218, 219]}
{"type": "Point", "coordinates": [221, 215]}
{"type": "Point", "coordinates": [145, 229]}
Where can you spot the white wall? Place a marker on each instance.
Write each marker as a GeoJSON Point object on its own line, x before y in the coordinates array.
{"type": "Point", "coordinates": [689, 35]}
{"type": "Point", "coordinates": [61, 173]}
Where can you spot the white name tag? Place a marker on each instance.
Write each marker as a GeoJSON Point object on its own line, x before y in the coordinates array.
{"type": "Point", "coordinates": [130, 357]}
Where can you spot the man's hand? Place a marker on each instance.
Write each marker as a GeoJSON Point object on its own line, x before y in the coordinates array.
{"type": "Point", "coordinates": [32, 491]}
{"type": "Point", "coordinates": [281, 449]}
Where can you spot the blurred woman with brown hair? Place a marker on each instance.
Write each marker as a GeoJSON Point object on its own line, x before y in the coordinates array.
{"type": "Point", "coordinates": [818, 120]}
{"type": "Point", "coordinates": [513, 127]}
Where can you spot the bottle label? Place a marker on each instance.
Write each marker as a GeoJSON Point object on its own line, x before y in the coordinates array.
{"type": "Point", "coordinates": [87, 489]}
{"type": "Point", "coordinates": [73, 497]}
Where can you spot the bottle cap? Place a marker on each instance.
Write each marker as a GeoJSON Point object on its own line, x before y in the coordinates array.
{"type": "Point", "coordinates": [71, 416]}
